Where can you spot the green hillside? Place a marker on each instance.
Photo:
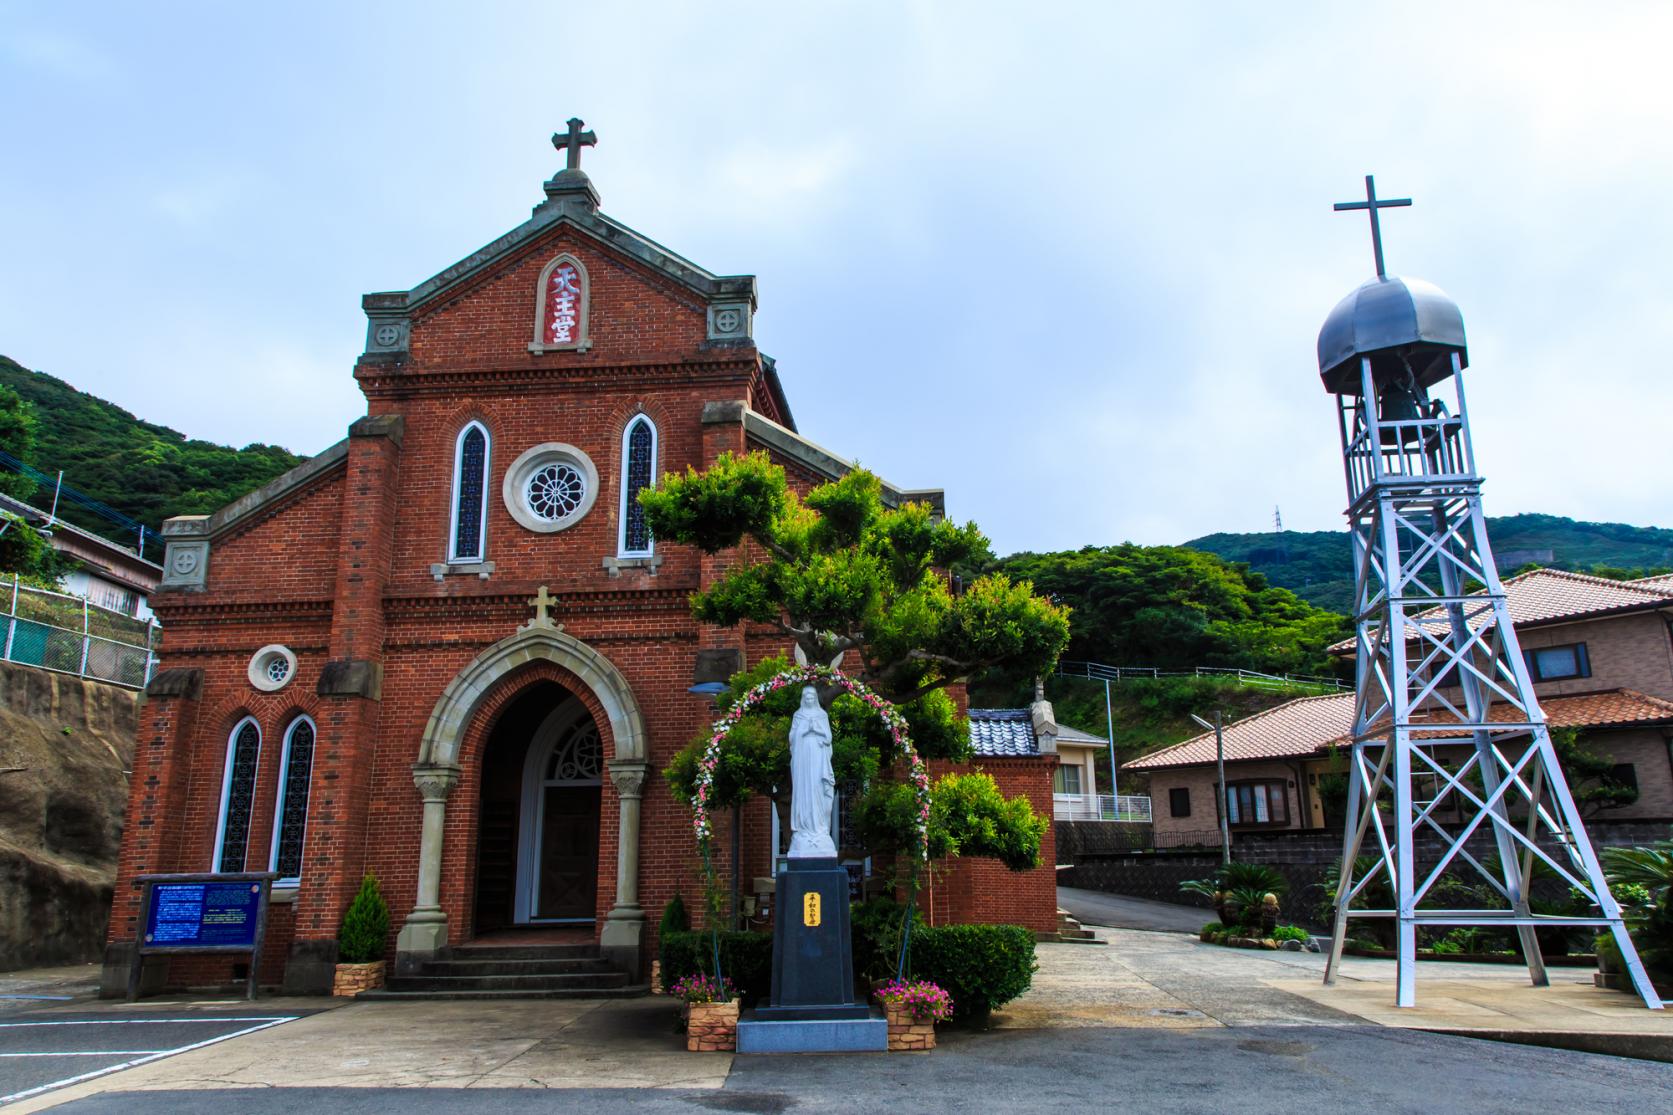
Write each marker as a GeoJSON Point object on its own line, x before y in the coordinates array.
{"type": "Point", "coordinates": [139, 469]}
{"type": "Point", "coordinates": [1318, 566]}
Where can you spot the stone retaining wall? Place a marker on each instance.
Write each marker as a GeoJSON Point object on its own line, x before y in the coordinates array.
{"type": "Point", "coordinates": [1301, 857]}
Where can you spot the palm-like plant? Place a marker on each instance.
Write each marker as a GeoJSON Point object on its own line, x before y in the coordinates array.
{"type": "Point", "coordinates": [1237, 890]}
{"type": "Point", "coordinates": [1649, 867]}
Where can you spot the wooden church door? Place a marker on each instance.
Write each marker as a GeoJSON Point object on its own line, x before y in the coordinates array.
{"type": "Point", "coordinates": [557, 860]}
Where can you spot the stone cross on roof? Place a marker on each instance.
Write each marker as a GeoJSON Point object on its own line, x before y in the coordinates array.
{"type": "Point", "coordinates": [1371, 203]}
{"type": "Point", "coordinates": [572, 141]}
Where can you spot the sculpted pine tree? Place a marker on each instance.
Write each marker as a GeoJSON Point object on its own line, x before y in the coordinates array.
{"type": "Point", "coordinates": [839, 573]}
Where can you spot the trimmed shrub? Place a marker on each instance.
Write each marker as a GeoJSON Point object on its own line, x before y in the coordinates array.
{"type": "Point", "coordinates": [980, 966]}
{"type": "Point", "coordinates": [674, 917]}
{"type": "Point", "coordinates": [365, 927]}
{"type": "Point", "coordinates": [745, 958]}
{"type": "Point", "coordinates": [1290, 933]}
{"type": "Point", "coordinates": [1207, 932]}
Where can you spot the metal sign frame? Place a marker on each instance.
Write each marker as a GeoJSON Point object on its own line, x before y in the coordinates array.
{"type": "Point", "coordinates": [142, 950]}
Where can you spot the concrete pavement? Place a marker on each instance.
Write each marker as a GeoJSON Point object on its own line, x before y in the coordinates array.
{"type": "Point", "coordinates": [1155, 1018]}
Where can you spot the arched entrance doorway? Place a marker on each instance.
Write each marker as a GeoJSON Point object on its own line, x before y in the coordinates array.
{"type": "Point", "coordinates": [436, 773]}
{"type": "Point", "coordinates": [538, 838]}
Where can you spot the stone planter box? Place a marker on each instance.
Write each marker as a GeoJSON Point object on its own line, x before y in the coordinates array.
{"type": "Point", "coordinates": [711, 1027]}
{"type": "Point", "coordinates": [907, 1033]}
{"type": "Point", "coordinates": [352, 979]}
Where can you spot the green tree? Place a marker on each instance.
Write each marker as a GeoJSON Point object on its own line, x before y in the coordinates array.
{"type": "Point", "coordinates": [17, 437]}
{"type": "Point", "coordinates": [26, 553]}
{"type": "Point", "coordinates": [1174, 607]}
{"type": "Point", "coordinates": [1590, 776]}
{"type": "Point", "coordinates": [839, 573]}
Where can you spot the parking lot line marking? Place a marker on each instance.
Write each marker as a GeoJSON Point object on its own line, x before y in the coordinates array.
{"type": "Point", "coordinates": [137, 1061]}
{"type": "Point", "coordinates": [149, 1021]}
{"type": "Point", "coordinates": [90, 1053]}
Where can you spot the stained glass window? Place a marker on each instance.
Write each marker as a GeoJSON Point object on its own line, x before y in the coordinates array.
{"type": "Point", "coordinates": [470, 478]}
{"type": "Point", "coordinates": [293, 800]}
{"type": "Point", "coordinates": [639, 451]}
{"type": "Point", "coordinates": [238, 795]}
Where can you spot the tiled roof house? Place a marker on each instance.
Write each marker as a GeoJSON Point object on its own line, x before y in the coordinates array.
{"type": "Point", "coordinates": [1601, 656]}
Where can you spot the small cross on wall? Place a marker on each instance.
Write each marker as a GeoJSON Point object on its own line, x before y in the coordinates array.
{"type": "Point", "coordinates": [571, 142]}
{"type": "Point", "coordinates": [541, 601]}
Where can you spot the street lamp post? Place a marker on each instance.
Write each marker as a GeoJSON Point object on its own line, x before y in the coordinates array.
{"type": "Point", "coordinates": [1218, 728]}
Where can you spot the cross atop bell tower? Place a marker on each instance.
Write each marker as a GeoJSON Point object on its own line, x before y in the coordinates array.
{"type": "Point", "coordinates": [571, 142]}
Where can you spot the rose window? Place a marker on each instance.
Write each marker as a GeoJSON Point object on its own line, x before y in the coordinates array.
{"type": "Point", "coordinates": [555, 491]}
{"type": "Point", "coordinates": [277, 669]}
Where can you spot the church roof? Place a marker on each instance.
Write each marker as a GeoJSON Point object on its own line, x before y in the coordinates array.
{"type": "Point", "coordinates": [1002, 732]}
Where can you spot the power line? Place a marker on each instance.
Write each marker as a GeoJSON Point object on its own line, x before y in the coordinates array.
{"type": "Point", "coordinates": [65, 491]}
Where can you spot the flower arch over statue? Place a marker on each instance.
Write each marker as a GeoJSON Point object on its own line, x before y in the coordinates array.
{"type": "Point", "coordinates": [917, 774]}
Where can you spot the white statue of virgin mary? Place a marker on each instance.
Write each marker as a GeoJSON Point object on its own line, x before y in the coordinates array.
{"type": "Point", "coordinates": [812, 785]}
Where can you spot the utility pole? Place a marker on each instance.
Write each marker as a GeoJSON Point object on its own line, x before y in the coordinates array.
{"type": "Point", "coordinates": [1109, 733]}
{"type": "Point", "coordinates": [1219, 730]}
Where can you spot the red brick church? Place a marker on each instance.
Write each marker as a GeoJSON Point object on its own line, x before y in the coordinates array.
{"type": "Point", "coordinates": [447, 651]}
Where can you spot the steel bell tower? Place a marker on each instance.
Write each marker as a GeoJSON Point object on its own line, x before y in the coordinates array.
{"type": "Point", "coordinates": [1452, 767]}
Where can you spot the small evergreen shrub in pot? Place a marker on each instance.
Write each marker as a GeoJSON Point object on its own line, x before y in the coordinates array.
{"type": "Point", "coordinates": [361, 940]}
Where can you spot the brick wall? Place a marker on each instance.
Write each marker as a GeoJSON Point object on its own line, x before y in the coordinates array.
{"type": "Point", "coordinates": [341, 568]}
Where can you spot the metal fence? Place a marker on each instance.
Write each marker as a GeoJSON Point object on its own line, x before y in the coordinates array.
{"type": "Point", "coordinates": [71, 635]}
{"type": "Point", "coordinates": [1097, 671]}
{"type": "Point", "coordinates": [1101, 807]}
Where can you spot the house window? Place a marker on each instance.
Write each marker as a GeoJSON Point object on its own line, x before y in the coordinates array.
{"type": "Point", "coordinates": [1179, 801]}
{"type": "Point", "coordinates": [1625, 775]}
{"type": "Point", "coordinates": [1068, 780]}
{"type": "Point", "coordinates": [290, 819]}
{"type": "Point", "coordinates": [238, 794]}
{"type": "Point", "coordinates": [470, 494]}
{"type": "Point", "coordinates": [1257, 803]}
{"type": "Point", "coordinates": [638, 470]}
{"type": "Point", "coordinates": [1557, 663]}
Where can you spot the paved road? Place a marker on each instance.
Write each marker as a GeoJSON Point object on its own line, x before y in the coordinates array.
{"type": "Point", "coordinates": [1294, 1070]}
{"type": "Point", "coordinates": [1095, 907]}
{"type": "Point", "coordinates": [40, 1052]}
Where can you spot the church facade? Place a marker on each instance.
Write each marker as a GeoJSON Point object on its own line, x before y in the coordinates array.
{"type": "Point", "coordinates": [446, 651]}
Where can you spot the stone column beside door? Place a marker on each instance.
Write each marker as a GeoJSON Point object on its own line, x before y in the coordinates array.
{"type": "Point", "coordinates": [621, 942]}
{"type": "Point", "coordinates": [425, 931]}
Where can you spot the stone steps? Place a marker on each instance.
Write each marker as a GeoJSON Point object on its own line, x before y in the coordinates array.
{"type": "Point", "coordinates": [1070, 931]}
{"type": "Point", "coordinates": [527, 971]}
{"type": "Point", "coordinates": [391, 995]}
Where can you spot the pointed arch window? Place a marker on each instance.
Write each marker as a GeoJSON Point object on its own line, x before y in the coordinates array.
{"type": "Point", "coordinates": [290, 814]}
{"type": "Point", "coordinates": [638, 469]}
{"type": "Point", "coordinates": [238, 795]}
{"type": "Point", "coordinates": [470, 495]}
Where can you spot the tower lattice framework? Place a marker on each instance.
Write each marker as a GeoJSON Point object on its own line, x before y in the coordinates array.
{"type": "Point", "coordinates": [1452, 768]}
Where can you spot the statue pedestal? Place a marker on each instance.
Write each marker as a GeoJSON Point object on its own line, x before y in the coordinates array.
{"type": "Point", "coordinates": [813, 1009]}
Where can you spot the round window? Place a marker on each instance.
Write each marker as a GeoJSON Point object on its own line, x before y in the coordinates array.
{"type": "Point", "coordinates": [555, 491]}
{"type": "Point", "coordinates": [550, 487]}
{"type": "Point", "coordinates": [272, 667]}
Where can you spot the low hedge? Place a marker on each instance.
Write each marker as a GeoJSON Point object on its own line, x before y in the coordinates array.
{"type": "Point", "coordinates": [745, 958]}
{"type": "Point", "coordinates": [981, 966]}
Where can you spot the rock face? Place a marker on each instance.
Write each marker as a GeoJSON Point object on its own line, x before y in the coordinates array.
{"type": "Point", "coordinates": [66, 747]}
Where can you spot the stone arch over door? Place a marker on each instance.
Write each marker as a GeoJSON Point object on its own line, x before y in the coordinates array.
{"type": "Point", "coordinates": [436, 772]}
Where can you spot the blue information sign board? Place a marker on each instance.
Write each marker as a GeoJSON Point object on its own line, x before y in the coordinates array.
{"type": "Point", "coordinates": [204, 915]}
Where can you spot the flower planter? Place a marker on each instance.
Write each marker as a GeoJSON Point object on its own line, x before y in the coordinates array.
{"type": "Point", "coordinates": [907, 1033]}
{"type": "Point", "coordinates": [352, 979]}
{"type": "Point", "coordinates": [711, 1027]}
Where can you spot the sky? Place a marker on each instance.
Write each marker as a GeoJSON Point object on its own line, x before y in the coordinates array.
{"type": "Point", "coordinates": [1066, 261]}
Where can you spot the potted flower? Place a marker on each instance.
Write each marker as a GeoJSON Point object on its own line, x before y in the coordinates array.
{"type": "Point", "coordinates": [913, 1007]}
{"type": "Point", "coordinates": [711, 1012]}
{"type": "Point", "coordinates": [360, 941]}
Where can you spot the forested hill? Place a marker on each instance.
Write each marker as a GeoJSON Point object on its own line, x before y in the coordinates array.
{"type": "Point", "coordinates": [1318, 566]}
{"type": "Point", "coordinates": [144, 471]}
